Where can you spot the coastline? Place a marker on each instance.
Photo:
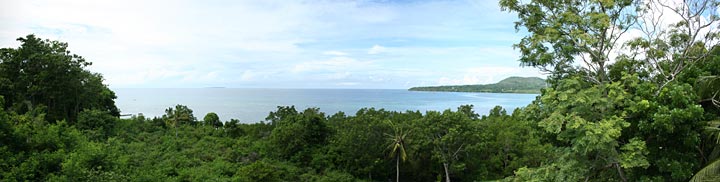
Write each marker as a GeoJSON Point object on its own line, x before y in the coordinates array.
{"type": "Point", "coordinates": [512, 92]}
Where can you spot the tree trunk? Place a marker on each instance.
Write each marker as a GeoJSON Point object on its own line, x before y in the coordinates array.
{"type": "Point", "coordinates": [77, 106]}
{"type": "Point", "coordinates": [397, 169]}
{"type": "Point", "coordinates": [620, 172]}
{"type": "Point", "coordinates": [447, 174]}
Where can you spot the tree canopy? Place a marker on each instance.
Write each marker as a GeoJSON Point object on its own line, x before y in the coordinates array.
{"type": "Point", "coordinates": [619, 108]}
{"type": "Point", "coordinates": [43, 73]}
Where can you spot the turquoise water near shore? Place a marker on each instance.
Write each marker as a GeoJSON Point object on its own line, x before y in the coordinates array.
{"type": "Point", "coordinates": [251, 105]}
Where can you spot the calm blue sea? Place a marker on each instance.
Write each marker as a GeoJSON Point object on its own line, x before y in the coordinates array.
{"type": "Point", "coordinates": [253, 105]}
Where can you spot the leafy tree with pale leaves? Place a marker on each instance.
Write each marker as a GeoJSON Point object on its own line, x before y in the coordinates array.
{"type": "Point", "coordinates": [625, 117]}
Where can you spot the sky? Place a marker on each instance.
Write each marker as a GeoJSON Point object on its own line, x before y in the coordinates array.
{"type": "Point", "coordinates": [277, 43]}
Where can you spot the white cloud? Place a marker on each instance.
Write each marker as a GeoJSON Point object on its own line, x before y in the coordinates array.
{"type": "Point", "coordinates": [335, 53]}
{"type": "Point", "coordinates": [486, 75]}
{"type": "Point", "coordinates": [168, 43]}
{"type": "Point", "coordinates": [140, 42]}
{"type": "Point", "coordinates": [334, 64]}
{"type": "Point", "coordinates": [266, 75]}
{"type": "Point", "coordinates": [377, 49]}
{"type": "Point", "coordinates": [248, 75]}
{"type": "Point", "coordinates": [657, 23]}
{"type": "Point", "coordinates": [348, 83]}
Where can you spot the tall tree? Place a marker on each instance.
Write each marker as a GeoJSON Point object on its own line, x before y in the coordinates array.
{"type": "Point", "coordinates": [450, 133]}
{"type": "Point", "coordinates": [667, 48]}
{"type": "Point", "coordinates": [586, 126]}
{"type": "Point", "coordinates": [297, 136]}
{"type": "Point", "coordinates": [180, 115]}
{"type": "Point", "coordinates": [397, 146]}
{"type": "Point", "coordinates": [212, 119]}
{"type": "Point", "coordinates": [359, 143]}
{"type": "Point", "coordinates": [562, 32]}
{"type": "Point", "coordinates": [634, 98]}
{"type": "Point", "coordinates": [44, 72]}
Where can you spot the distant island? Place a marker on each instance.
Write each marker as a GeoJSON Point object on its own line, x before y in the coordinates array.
{"type": "Point", "coordinates": [531, 85]}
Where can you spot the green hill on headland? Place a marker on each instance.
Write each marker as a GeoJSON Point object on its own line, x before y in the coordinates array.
{"type": "Point", "coordinates": [507, 85]}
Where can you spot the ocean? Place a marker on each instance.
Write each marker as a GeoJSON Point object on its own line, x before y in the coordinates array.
{"type": "Point", "coordinates": [253, 105]}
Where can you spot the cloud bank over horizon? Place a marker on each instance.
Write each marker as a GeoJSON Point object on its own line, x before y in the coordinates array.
{"type": "Point", "coordinates": [277, 44]}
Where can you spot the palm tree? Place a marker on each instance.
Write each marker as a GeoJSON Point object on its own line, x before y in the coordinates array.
{"type": "Point", "coordinates": [710, 172]}
{"type": "Point", "coordinates": [180, 115]}
{"type": "Point", "coordinates": [397, 147]}
{"type": "Point", "coordinates": [171, 119]}
{"type": "Point", "coordinates": [709, 91]}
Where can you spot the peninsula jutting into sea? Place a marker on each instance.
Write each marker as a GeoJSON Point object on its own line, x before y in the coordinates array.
{"type": "Point", "coordinates": [508, 85]}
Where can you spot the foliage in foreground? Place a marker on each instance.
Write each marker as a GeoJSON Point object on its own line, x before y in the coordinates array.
{"type": "Point", "coordinates": [645, 115]}
{"type": "Point", "coordinates": [68, 130]}
{"type": "Point", "coordinates": [298, 146]}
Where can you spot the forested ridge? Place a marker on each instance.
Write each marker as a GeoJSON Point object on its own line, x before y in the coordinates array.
{"type": "Point", "coordinates": [507, 85]}
{"type": "Point", "coordinates": [650, 113]}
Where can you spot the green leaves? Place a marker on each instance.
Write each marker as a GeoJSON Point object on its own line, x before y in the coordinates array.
{"type": "Point", "coordinates": [563, 32]}
{"type": "Point", "coordinates": [588, 124]}
{"type": "Point", "coordinates": [297, 136]}
{"type": "Point", "coordinates": [634, 154]}
{"type": "Point", "coordinates": [44, 72]}
{"type": "Point", "coordinates": [554, 123]}
{"type": "Point", "coordinates": [179, 115]}
{"type": "Point", "coordinates": [598, 137]}
{"type": "Point", "coordinates": [397, 141]}
{"type": "Point", "coordinates": [212, 119]}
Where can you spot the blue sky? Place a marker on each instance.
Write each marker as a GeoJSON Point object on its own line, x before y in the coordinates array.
{"type": "Point", "coordinates": [277, 44]}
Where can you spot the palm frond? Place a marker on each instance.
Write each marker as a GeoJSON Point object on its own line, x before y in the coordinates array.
{"type": "Point", "coordinates": [714, 123]}
{"type": "Point", "coordinates": [711, 172]}
{"type": "Point", "coordinates": [393, 149]}
{"type": "Point", "coordinates": [403, 155]}
{"type": "Point", "coordinates": [714, 129]}
{"type": "Point", "coordinates": [709, 89]}
{"type": "Point", "coordinates": [397, 142]}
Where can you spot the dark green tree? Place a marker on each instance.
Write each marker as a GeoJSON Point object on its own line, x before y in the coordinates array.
{"type": "Point", "coordinates": [508, 144]}
{"type": "Point", "coordinates": [449, 134]}
{"type": "Point", "coordinates": [180, 115]}
{"type": "Point", "coordinates": [232, 128]}
{"type": "Point", "coordinates": [100, 123]}
{"type": "Point", "coordinates": [212, 119]}
{"type": "Point", "coordinates": [44, 72]}
{"type": "Point", "coordinates": [296, 137]}
{"type": "Point", "coordinates": [358, 144]}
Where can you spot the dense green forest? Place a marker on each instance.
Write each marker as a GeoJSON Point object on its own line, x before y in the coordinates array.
{"type": "Point", "coordinates": [649, 114]}
{"type": "Point", "coordinates": [507, 85]}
